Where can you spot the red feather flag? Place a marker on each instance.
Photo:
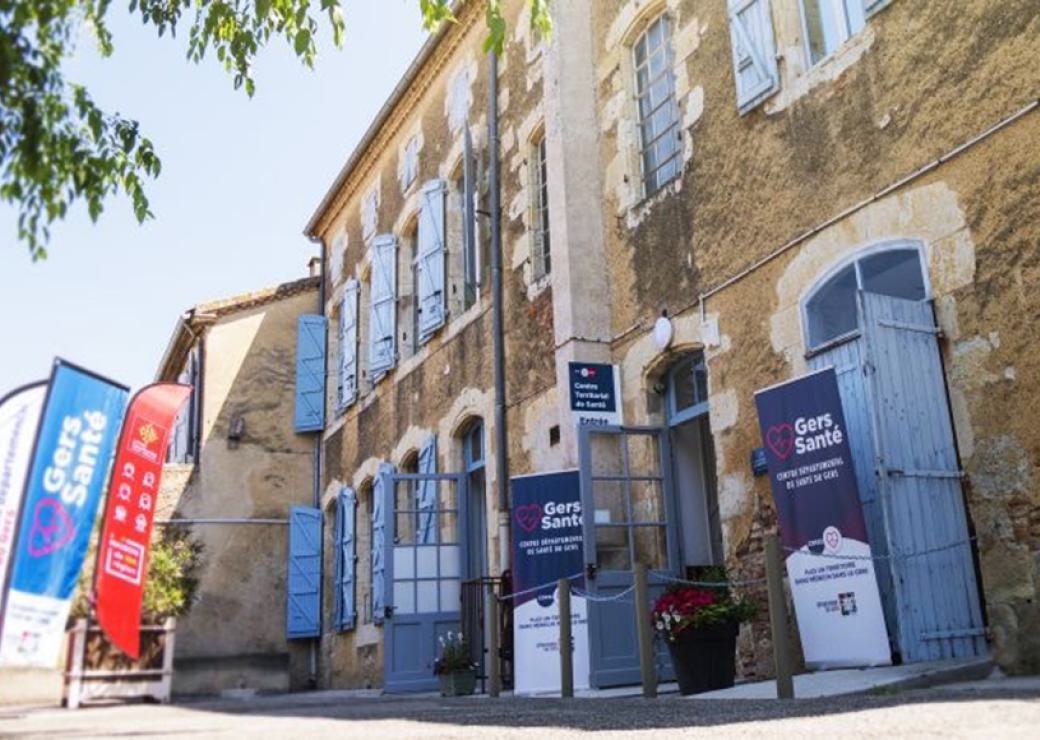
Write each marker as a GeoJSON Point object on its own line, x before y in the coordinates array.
{"type": "Point", "coordinates": [133, 492]}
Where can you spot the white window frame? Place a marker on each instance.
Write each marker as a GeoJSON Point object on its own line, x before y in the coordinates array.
{"type": "Point", "coordinates": [844, 31]}
{"type": "Point", "coordinates": [541, 236]}
{"type": "Point", "coordinates": [674, 127]}
{"type": "Point", "coordinates": [370, 215]}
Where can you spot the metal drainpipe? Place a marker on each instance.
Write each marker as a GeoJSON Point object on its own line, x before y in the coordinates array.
{"type": "Point", "coordinates": [313, 678]}
{"type": "Point", "coordinates": [501, 449]}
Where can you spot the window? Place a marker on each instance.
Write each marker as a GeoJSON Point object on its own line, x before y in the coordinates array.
{"type": "Point", "coordinates": [409, 167]}
{"type": "Point", "coordinates": [382, 324]}
{"type": "Point", "coordinates": [754, 52]}
{"type": "Point", "coordinates": [370, 215]}
{"type": "Point", "coordinates": [687, 388]}
{"type": "Point", "coordinates": [831, 312]}
{"type": "Point", "coordinates": [541, 261]}
{"type": "Point", "coordinates": [829, 24]}
{"type": "Point", "coordinates": [658, 111]}
{"type": "Point", "coordinates": [348, 344]}
{"type": "Point", "coordinates": [470, 258]}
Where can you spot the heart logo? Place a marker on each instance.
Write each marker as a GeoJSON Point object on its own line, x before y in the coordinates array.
{"type": "Point", "coordinates": [780, 439]}
{"type": "Point", "coordinates": [52, 528]}
{"type": "Point", "coordinates": [832, 539]}
{"type": "Point", "coordinates": [528, 517]}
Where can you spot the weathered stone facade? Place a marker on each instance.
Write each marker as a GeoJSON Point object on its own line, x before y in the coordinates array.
{"type": "Point", "coordinates": [861, 149]}
{"type": "Point", "coordinates": [232, 485]}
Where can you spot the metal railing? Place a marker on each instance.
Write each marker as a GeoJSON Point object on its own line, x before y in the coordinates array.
{"type": "Point", "coordinates": [475, 619]}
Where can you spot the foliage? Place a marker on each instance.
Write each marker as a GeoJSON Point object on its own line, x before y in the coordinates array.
{"type": "Point", "coordinates": [682, 607]}
{"type": "Point", "coordinates": [455, 655]}
{"type": "Point", "coordinates": [169, 588]}
{"type": "Point", "coordinates": [57, 147]}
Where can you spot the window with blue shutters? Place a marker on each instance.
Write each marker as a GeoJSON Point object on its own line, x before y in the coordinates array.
{"type": "Point", "coordinates": [303, 602]}
{"type": "Point", "coordinates": [429, 267]}
{"type": "Point", "coordinates": [345, 613]}
{"type": "Point", "coordinates": [426, 494]}
{"type": "Point", "coordinates": [754, 52]}
{"type": "Point", "coordinates": [310, 374]}
{"type": "Point", "coordinates": [383, 323]}
{"type": "Point", "coordinates": [348, 342]}
{"type": "Point", "coordinates": [382, 493]}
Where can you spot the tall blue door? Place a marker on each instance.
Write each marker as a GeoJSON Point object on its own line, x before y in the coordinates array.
{"type": "Point", "coordinates": [629, 516]}
{"type": "Point", "coordinates": [891, 380]}
{"type": "Point", "coordinates": [425, 550]}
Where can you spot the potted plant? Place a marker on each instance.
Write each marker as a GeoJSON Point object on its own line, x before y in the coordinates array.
{"type": "Point", "coordinates": [700, 626]}
{"type": "Point", "coordinates": [454, 668]}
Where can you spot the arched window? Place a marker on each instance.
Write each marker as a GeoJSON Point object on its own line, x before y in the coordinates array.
{"type": "Point", "coordinates": [830, 310]}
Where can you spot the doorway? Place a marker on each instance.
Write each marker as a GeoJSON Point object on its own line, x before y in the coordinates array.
{"type": "Point", "coordinates": [873, 321]}
{"type": "Point", "coordinates": [693, 462]}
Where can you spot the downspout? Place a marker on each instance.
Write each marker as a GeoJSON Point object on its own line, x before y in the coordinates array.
{"type": "Point", "coordinates": [498, 339]}
{"type": "Point", "coordinates": [316, 466]}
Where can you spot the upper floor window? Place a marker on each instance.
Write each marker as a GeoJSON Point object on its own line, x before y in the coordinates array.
{"type": "Point", "coordinates": [370, 215]}
{"type": "Point", "coordinates": [658, 111]}
{"type": "Point", "coordinates": [829, 24]}
{"type": "Point", "coordinates": [540, 255]}
{"type": "Point", "coordinates": [831, 311]}
{"type": "Point", "coordinates": [409, 165]}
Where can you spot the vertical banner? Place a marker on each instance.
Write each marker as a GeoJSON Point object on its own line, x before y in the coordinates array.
{"type": "Point", "coordinates": [132, 494]}
{"type": "Point", "coordinates": [76, 437]}
{"type": "Point", "coordinates": [19, 418]}
{"type": "Point", "coordinates": [835, 591]}
{"type": "Point", "coordinates": [547, 546]}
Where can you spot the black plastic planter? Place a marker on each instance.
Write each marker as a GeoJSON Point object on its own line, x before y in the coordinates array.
{"type": "Point", "coordinates": [705, 658]}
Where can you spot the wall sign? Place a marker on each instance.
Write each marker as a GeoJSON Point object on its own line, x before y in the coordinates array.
{"type": "Point", "coordinates": [835, 591]}
{"type": "Point", "coordinates": [595, 393]}
{"type": "Point", "coordinates": [547, 546]}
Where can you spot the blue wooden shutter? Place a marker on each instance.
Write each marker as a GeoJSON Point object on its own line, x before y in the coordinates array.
{"type": "Point", "coordinates": [429, 266]}
{"type": "Point", "coordinates": [382, 512]}
{"type": "Point", "coordinates": [348, 338]}
{"type": "Point", "coordinates": [383, 324]}
{"type": "Point", "coordinates": [303, 607]}
{"type": "Point", "coordinates": [310, 374]}
{"type": "Point", "coordinates": [754, 52]}
{"type": "Point", "coordinates": [870, 7]}
{"type": "Point", "coordinates": [426, 493]}
{"type": "Point", "coordinates": [346, 558]}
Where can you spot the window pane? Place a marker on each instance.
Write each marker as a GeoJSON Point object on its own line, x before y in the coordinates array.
{"type": "Point", "coordinates": [404, 597]}
{"type": "Point", "coordinates": [404, 563]}
{"type": "Point", "coordinates": [832, 310]}
{"type": "Point", "coordinates": [644, 457]}
{"type": "Point", "coordinates": [605, 454]}
{"type": "Point", "coordinates": [450, 561]}
{"type": "Point", "coordinates": [652, 547]}
{"type": "Point", "coordinates": [451, 596]}
{"type": "Point", "coordinates": [647, 502]}
{"type": "Point", "coordinates": [689, 383]}
{"type": "Point", "coordinates": [612, 548]}
{"type": "Point", "coordinates": [826, 25]}
{"type": "Point", "coordinates": [896, 273]}
{"type": "Point", "coordinates": [426, 562]}
{"type": "Point", "coordinates": [609, 502]}
{"type": "Point", "coordinates": [427, 597]}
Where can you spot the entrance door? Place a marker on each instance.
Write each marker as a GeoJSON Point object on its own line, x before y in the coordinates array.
{"type": "Point", "coordinates": [628, 513]}
{"type": "Point", "coordinates": [892, 385]}
{"type": "Point", "coordinates": [425, 551]}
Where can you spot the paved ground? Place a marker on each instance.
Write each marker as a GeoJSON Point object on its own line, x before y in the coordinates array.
{"type": "Point", "coordinates": [1008, 708]}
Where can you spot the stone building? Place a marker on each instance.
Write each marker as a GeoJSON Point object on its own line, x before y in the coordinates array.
{"type": "Point", "coordinates": [780, 181]}
{"type": "Point", "coordinates": [234, 469]}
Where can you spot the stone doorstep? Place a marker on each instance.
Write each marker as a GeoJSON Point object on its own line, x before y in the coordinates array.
{"type": "Point", "coordinates": [847, 682]}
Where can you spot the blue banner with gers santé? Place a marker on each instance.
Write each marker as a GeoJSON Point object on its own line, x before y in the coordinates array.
{"type": "Point", "coordinates": [73, 451]}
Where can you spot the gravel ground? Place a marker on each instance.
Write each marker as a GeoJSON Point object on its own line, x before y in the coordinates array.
{"type": "Point", "coordinates": [993, 712]}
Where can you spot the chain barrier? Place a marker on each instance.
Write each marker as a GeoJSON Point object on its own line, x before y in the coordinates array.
{"type": "Point", "coordinates": [536, 589]}
{"type": "Point", "coordinates": [596, 598]}
{"type": "Point", "coordinates": [708, 584]}
{"type": "Point", "coordinates": [881, 558]}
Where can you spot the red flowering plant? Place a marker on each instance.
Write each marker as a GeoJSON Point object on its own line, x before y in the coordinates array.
{"type": "Point", "coordinates": [681, 607]}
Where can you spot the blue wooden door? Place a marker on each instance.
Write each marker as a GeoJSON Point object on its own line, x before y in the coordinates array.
{"type": "Point", "coordinates": [894, 397]}
{"type": "Point", "coordinates": [937, 600]}
{"type": "Point", "coordinates": [424, 551]}
{"type": "Point", "coordinates": [628, 516]}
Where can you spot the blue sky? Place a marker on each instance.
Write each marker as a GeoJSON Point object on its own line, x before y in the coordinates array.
{"type": "Point", "coordinates": [240, 179]}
